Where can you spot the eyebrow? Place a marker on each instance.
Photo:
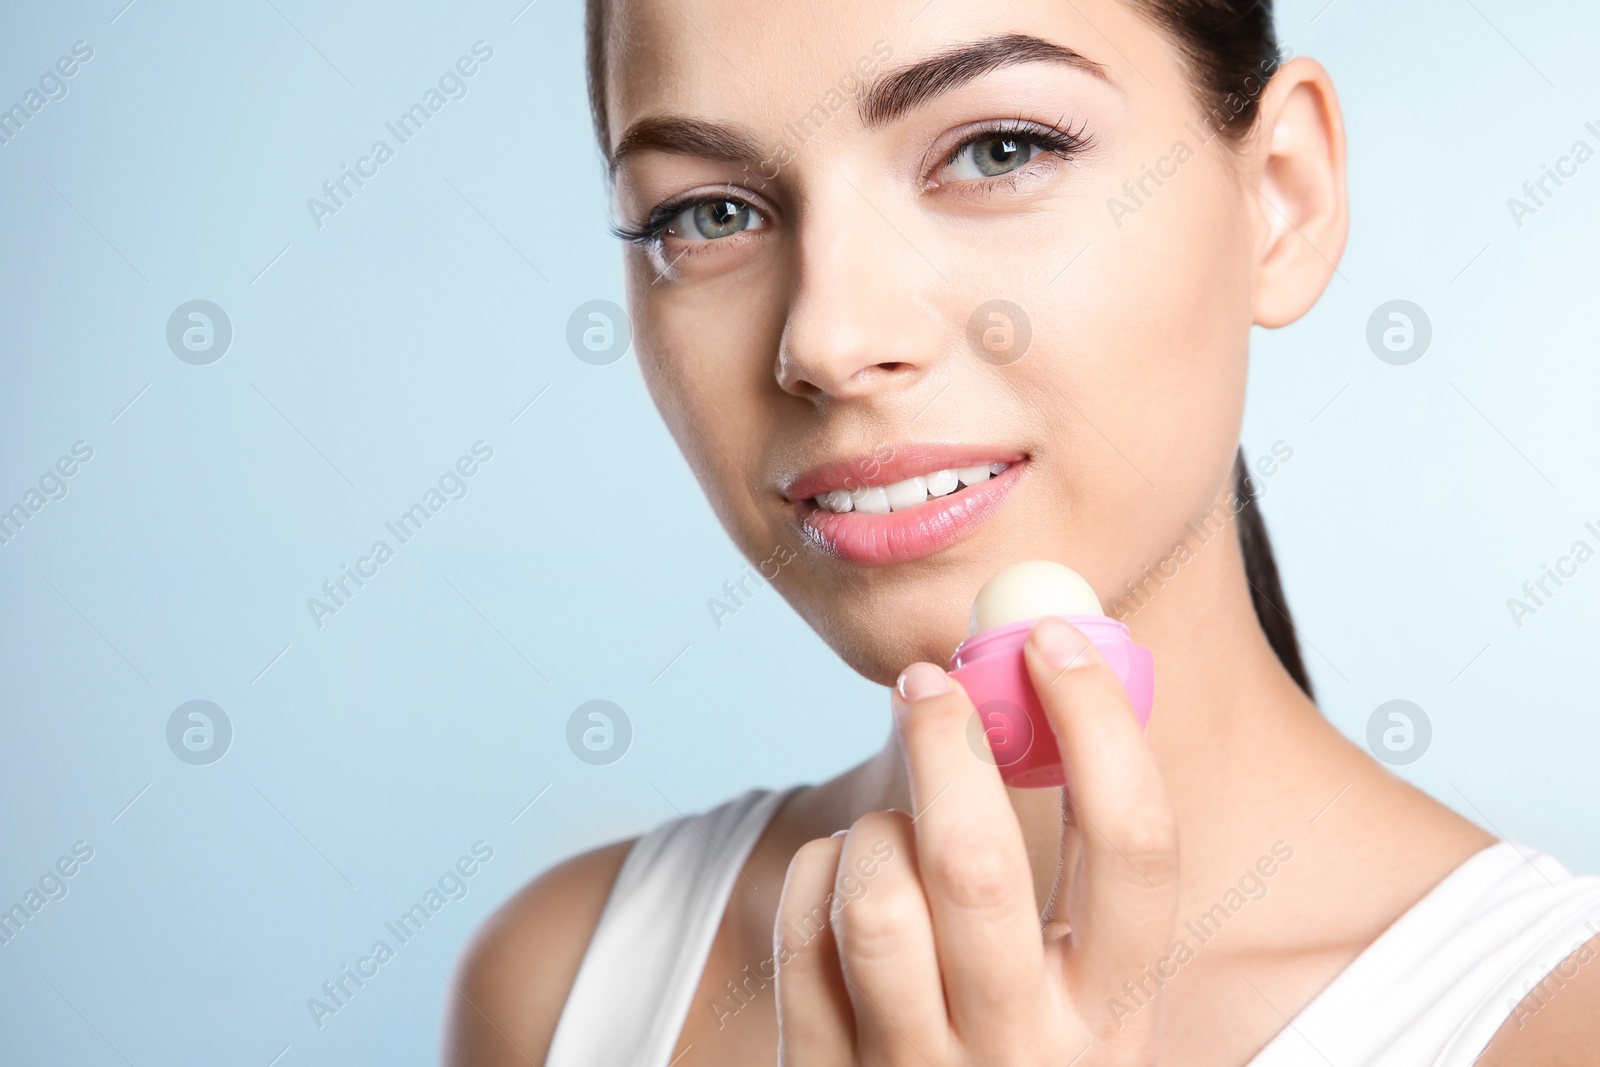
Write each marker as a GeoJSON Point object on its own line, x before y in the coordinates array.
{"type": "Point", "coordinates": [886, 100]}
{"type": "Point", "coordinates": [914, 85]}
{"type": "Point", "coordinates": [690, 137]}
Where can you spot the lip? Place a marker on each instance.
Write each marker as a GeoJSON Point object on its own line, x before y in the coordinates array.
{"type": "Point", "coordinates": [903, 536]}
{"type": "Point", "coordinates": [902, 462]}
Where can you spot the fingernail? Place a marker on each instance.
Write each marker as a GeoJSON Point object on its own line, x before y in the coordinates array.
{"type": "Point", "coordinates": [1061, 644]}
{"type": "Point", "coordinates": [840, 833]}
{"type": "Point", "coordinates": [922, 680]}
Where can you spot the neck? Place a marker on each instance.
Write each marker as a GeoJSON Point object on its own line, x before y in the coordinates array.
{"type": "Point", "coordinates": [1232, 732]}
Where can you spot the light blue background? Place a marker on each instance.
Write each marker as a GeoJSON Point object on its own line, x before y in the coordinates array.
{"type": "Point", "coordinates": [369, 354]}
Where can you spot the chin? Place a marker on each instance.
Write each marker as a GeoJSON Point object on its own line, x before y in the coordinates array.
{"type": "Point", "coordinates": [881, 631]}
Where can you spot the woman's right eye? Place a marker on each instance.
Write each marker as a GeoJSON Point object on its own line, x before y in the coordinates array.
{"type": "Point", "coordinates": [712, 220]}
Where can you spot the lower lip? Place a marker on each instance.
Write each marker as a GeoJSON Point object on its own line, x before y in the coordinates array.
{"type": "Point", "coordinates": [902, 536]}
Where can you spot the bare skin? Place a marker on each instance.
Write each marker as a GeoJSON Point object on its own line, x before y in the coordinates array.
{"type": "Point", "coordinates": [835, 313]}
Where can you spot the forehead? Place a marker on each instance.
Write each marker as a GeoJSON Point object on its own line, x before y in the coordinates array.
{"type": "Point", "coordinates": [761, 63]}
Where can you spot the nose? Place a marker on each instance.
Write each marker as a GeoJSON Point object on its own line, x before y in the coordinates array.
{"type": "Point", "coordinates": [862, 319]}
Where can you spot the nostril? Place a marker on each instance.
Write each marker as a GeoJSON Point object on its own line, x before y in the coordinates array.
{"type": "Point", "coordinates": [842, 363]}
{"type": "Point", "coordinates": [888, 369]}
{"type": "Point", "coordinates": [871, 376]}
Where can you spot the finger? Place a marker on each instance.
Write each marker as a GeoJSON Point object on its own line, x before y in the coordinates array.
{"type": "Point", "coordinates": [973, 864]}
{"type": "Point", "coordinates": [886, 950]}
{"type": "Point", "coordinates": [815, 1025]}
{"type": "Point", "coordinates": [1123, 906]}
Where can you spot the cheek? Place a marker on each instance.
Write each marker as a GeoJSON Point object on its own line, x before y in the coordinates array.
{"type": "Point", "coordinates": [1188, 316]}
{"type": "Point", "coordinates": [707, 363]}
{"type": "Point", "coordinates": [1140, 364]}
{"type": "Point", "coordinates": [1172, 313]}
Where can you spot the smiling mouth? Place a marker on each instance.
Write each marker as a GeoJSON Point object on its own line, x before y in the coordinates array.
{"type": "Point", "coordinates": [920, 502]}
{"type": "Point", "coordinates": [908, 493]}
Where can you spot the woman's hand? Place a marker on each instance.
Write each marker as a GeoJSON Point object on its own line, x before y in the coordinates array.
{"type": "Point", "coordinates": [917, 940]}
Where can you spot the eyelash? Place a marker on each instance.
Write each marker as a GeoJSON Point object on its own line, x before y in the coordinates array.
{"type": "Point", "coordinates": [1060, 140]}
{"type": "Point", "coordinates": [648, 233]}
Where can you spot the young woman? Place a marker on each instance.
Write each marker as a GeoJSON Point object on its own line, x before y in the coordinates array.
{"type": "Point", "coordinates": [822, 203]}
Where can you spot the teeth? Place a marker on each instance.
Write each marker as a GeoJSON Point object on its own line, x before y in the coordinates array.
{"type": "Point", "coordinates": [835, 500]}
{"type": "Point", "coordinates": [870, 500]}
{"type": "Point", "coordinates": [882, 499]}
{"type": "Point", "coordinates": [906, 494]}
{"type": "Point", "coordinates": [973, 475]}
{"type": "Point", "coordinates": [942, 483]}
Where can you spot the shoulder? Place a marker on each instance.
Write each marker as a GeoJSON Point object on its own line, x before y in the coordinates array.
{"type": "Point", "coordinates": [512, 979]}
{"type": "Point", "coordinates": [1558, 1022]}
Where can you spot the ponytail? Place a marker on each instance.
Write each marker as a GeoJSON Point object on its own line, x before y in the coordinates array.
{"type": "Point", "coordinates": [1261, 571]}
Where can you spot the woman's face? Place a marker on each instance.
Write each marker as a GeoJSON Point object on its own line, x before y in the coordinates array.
{"type": "Point", "coordinates": [836, 195]}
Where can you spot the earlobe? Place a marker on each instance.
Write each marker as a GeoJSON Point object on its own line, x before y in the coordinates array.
{"type": "Point", "coordinates": [1301, 197]}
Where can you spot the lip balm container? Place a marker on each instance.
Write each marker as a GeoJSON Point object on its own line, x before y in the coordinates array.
{"type": "Point", "coordinates": [990, 667]}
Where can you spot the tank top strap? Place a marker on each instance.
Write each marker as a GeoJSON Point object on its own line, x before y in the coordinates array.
{"type": "Point", "coordinates": [632, 992]}
{"type": "Point", "coordinates": [1436, 985]}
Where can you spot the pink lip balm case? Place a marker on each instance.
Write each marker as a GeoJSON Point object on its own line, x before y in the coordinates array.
{"type": "Point", "coordinates": [990, 667]}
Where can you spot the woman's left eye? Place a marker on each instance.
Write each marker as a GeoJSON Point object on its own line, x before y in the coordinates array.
{"type": "Point", "coordinates": [989, 157]}
{"type": "Point", "coordinates": [712, 220]}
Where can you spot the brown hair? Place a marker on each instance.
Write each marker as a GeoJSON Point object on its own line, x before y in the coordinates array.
{"type": "Point", "coordinates": [1230, 48]}
{"type": "Point", "coordinates": [1261, 571]}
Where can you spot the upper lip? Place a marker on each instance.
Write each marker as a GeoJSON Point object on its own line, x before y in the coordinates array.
{"type": "Point", "coordinates": [890, 463]}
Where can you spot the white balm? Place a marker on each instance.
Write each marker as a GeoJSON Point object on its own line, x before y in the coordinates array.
{"type": "Point", "coordinates": [1027, 591]}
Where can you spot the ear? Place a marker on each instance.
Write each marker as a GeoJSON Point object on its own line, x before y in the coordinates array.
{"type": "Point", "coordinates": [1297, 161]}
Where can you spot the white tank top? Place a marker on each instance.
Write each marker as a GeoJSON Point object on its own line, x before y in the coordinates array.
{"type": "Point", "coordinates": [1432, 989]}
